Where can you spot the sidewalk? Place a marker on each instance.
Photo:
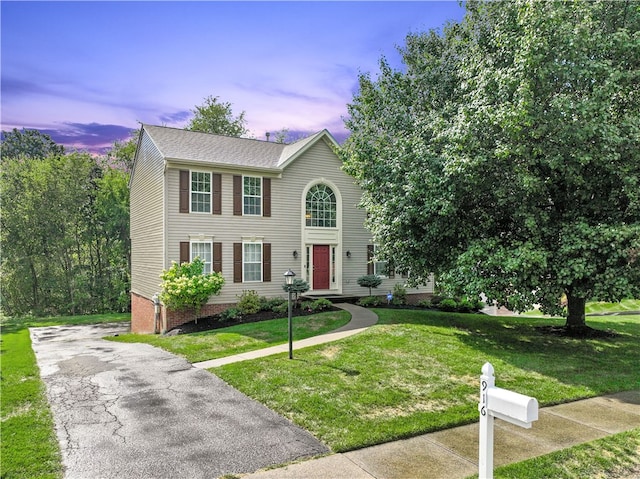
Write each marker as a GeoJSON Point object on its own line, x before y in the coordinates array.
{"type": "Point", "coordinates": [453, 453]}
{"type": "Point", "coordinates": [361, 319]}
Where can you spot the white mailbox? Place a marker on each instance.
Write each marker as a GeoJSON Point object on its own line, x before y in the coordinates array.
{"type": "Point", "coordinates": [511, 406]}
{"type": "Point", "coordinates": [504, 404]}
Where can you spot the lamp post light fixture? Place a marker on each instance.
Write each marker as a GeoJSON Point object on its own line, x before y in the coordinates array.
{"type": "Point", "coordinates": [288, 279]}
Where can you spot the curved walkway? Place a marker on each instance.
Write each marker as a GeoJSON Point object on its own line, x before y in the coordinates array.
{"type": "Point", "coordinates": [361, 319]}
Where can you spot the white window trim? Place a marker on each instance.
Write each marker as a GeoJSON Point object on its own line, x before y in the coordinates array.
{"type": "Point", "coordinates": [191, 172]}
{"type": "Point", "coordinates": [252, 196]}
{"type": "Point", "coordinates": [375, 264]}
{"type": "Point", "coordinates": [244, 276]}
{"type": "Point", "coordinates": [201, 240]}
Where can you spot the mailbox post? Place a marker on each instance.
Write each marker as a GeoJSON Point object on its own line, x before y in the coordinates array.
{"type": "Point", "coordinates": [504, 404]}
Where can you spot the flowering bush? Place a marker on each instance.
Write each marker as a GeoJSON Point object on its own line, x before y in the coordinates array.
{"type": "Point", "coordinates": [185, 286]}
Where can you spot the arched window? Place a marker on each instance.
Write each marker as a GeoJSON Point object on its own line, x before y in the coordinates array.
{"type": "Point", "coordinates": [321, 207]}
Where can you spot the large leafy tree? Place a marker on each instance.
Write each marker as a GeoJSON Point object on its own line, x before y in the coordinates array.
{"type": "Point", "coordinates": [28, 144]}
{"type": "Point", "coordinates": [505, 155]}
{"type": "Point", "coordinates": [63, 232]}
{"type": "Point", "coordinates": [216, 117]}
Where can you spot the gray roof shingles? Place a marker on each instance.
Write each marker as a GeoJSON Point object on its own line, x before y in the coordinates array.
{"type": "Point", "coordinates": [177, 144]}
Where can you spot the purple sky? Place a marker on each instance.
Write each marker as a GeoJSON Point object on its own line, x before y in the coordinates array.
{"type": "Point", "coordinates": [87, 73]}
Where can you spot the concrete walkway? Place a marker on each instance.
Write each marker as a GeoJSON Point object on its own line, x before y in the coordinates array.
{"type": "Point", "coordinates": [453, 453]}
{"type": "Point", "coordinates": [361, 319]}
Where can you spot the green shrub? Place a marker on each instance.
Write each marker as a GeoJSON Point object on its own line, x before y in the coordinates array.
{"type": "Point", "coordinates": [448, 304]}
{"type": "Point", "coordinates": [185, 286]}
{"type": "Point", "coordinates": [435, 300]}
{"type": "Point", "coordinates": [478, 304]}
{"type": "Point", "coordinates": [274, 303]}
{"type": "Point", "coordinates": [249, 302]}
{"type": "Point", "coordinates": [370, 281]}
{"type": "Point", "coordinates": [424, 303]}
{"type": "Point", "coordinates": [299, 286]}
{"type": "Point", "coordinates": [281, 308]}
{"type": "Point", "coordinates": [230, 314]}
{"type": "Point", "coordinates": [370, 301]}
{"type": "Point", "coordinates": [465, 306]}
{"type": "Point", "coordinates": [399, 295]}
{"type": "Point", "coordinates": [318, 305]}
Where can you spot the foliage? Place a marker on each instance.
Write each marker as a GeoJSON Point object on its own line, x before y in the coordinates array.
{"type": "Point", "coordinates": [370, 281]}
{"type": "Point", "coordinates": [506, 147]}
{"type": "Point", "coordinates": [317, 305]}
{"type": "Point", "coordinates": [399, 295]}
{"type": "Point", "coordinates": [249, 302]}
{"type": "Point", "coordinates": [64, 235]}
{"type": "Point", "coordinates": [184, 286]}
{"type": "Point", "coordinates": [122, 153]}
{"type": "Point", "coordinates": [215, 117]}
{"type": "Point", "coordinates": [299, 286]}
{"type": "Point", "coordinates": [448, 304]}
{"type": "Point", "coordinates": [370, 301]}
{"type": "Point", "coordinates": [30, 144]}
{"type": "Point", "coordinates": [230, 314]}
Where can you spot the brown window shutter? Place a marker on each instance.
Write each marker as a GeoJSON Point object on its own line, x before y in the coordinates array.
{"type": "Point", "coordinates": [237, 195]}
{"type": "Point", "coordinates": [266, 262]}
{"type": "Point", "coordinates": [392, 272]}
{"type": "Point", "coordinates": [266, 196]}
{"type": "Point", "coordinates": [237, 262]}
{"type": "Point", "coordinates": [217, 194]}
{"type": "Point", "coordinates": [217, 257]}
{"type": "Point", "coordinates": [184, 191]}
{"type": "Point", "coordinates": [185, 253]}
{"type": "Point", "coordinates": [370, 269]}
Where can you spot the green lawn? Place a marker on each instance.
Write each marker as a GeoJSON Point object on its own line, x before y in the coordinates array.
{"type": "Point", "coordinates": [241, 338]}
{"type": "Point", "coordinates": [612, 456]}
{"type": "Point", "coordinates": [418, 371]}
{"type": "Point", "coordinates": [29, 445]}
{"type": "Point", "coordinates": [414, 372]}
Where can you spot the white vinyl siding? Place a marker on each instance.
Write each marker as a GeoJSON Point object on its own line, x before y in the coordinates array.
{"type": "Point", "coordinates": [147, 219]}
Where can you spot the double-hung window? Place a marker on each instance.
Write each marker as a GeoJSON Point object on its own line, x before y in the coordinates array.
{"type": "Point", "coordinates": [203, 250]}
{"type": "Point", "coordinates": [200, 192]}
{"type": "Point", "coordinates": [252, 195]}
{"type": "Point", "coordinates": [252, 262]}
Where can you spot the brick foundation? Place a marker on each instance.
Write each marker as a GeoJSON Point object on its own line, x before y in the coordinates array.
{"type": "Point", "coordinates": [171, 319]}
{"type": "Point", "coordinates": [143, 315]}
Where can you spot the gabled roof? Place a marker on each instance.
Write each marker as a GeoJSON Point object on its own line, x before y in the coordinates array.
{"type": "Point", "coordinates": [185, 145]}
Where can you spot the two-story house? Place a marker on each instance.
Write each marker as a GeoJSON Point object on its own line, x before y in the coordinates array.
{"type": "Point", "coordinates": [251, 210]}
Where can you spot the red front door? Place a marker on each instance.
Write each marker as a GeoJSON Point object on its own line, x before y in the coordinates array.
{"type": "Point", "coordinates": [320, 266]}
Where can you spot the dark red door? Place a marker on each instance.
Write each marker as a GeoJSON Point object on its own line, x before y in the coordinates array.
{"type": "Point", "coordinates": [320, 266]}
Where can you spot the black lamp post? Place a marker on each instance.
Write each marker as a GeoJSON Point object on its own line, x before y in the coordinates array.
{"type": "Point", "coordinates": [288, 279]}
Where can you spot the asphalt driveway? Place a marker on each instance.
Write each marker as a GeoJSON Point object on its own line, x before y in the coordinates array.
{"type": "Point", "coordinates": [135, 411]}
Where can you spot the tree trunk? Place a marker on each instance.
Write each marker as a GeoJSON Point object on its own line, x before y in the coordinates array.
{"type": "Point", "coordinates": [576, 318]}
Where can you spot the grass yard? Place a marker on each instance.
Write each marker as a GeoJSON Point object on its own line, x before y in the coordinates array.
{"type": "Point", "coordinates": [29, 445]}
{"type": "Point", "coordinates": [613, 456]}
{"type": "Point", "coordinates": [418, 371]}
{"type": "Point", "coordinates": [217, 343]}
